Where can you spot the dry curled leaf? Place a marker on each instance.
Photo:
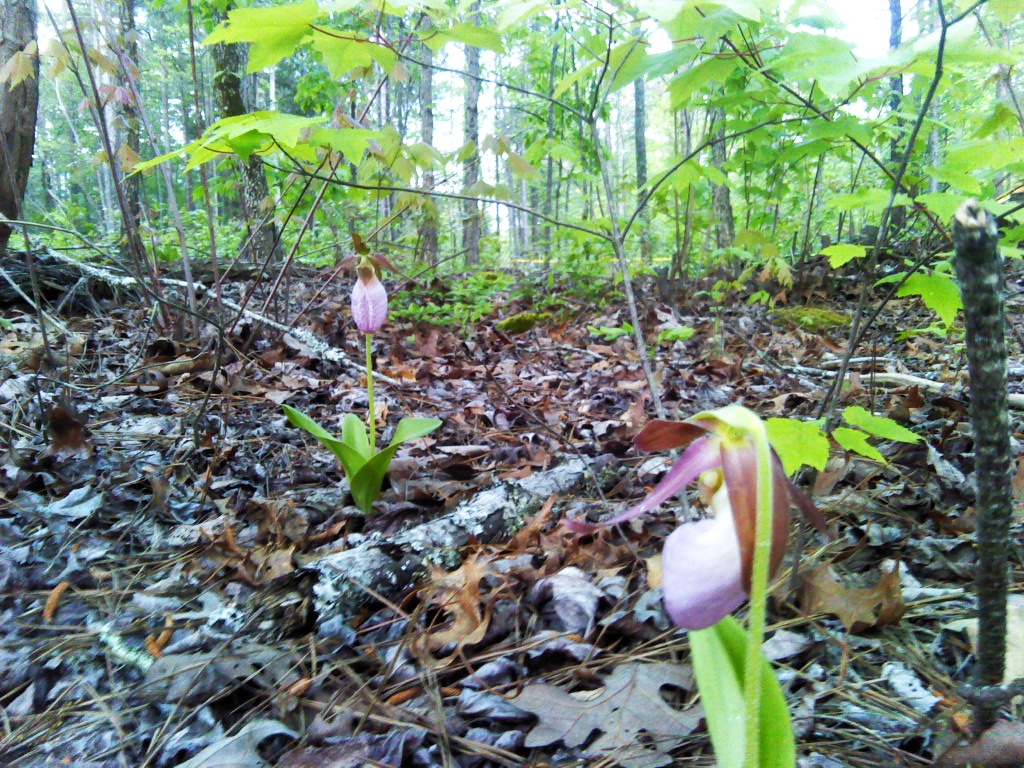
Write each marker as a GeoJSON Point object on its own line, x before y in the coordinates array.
{"type": "Point", "coordinates": [637, 726]}
{"type": "Point", "coordinates": [859, 608]}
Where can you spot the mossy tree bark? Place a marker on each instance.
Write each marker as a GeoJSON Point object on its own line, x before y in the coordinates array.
{"type": "Point", "coordinates": [979, 269]}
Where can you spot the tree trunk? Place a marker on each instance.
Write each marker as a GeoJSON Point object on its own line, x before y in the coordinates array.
{"type": "Point", "coordinates": [428, 219]}
{"type": "Point", "coordinates": [18, 103]}
{"type": "Point", "coordinates": [132, 184]}
{"type": "Point", "coordinates": [230, 60]}
{"type": "Point", "coordinates": [640, 141]}
{"type": "Point", "coordinates": [898, 215]}
{"type": "Point", "coordinates": [725, 229]}
{"type": "Point", "coordinates": [471, 208]}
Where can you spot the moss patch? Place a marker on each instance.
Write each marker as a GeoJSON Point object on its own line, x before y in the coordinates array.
{"type": "Point", "coordinates": [523, 322]}
{"type": "Point", "coordinates": [811, 318]}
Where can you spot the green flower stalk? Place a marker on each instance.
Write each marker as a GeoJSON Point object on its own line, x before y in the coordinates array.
{"type": "Point", "coordinates": [356, 450]}
{"type": "Point", "coordinates": [711, 566]}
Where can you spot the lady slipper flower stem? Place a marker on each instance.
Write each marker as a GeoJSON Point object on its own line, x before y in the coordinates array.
{"type": "Point", "coordinates": [371, 415]}
{"type": "Point", "coordinates": [758, 596]}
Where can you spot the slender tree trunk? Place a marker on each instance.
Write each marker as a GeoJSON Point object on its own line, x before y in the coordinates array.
{"type": "Point", "coordinates": [132, 184]}
{"type": "Point", "coordinates": [230, 61]}
{"type": "Point", "coordinates": [895, 97]}
{"type": "Point", "coordinates": [18, 103]}
{"type": "Point", "coordinates": [549, 168]}
{"type": "Point", "coordinates": [640, 140]}
{"type": "Point", "coordinates": [471, 208]}
{"type": "Point", "coordinates": [725, 229]}
{"type": "Point", "coordinates": [428, 219]}
{"type": "Point", "coordinates": [980, 271]}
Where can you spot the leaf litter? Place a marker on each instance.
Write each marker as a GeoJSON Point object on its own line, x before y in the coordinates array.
{"type": "Point", "coordinates": [154, 550]}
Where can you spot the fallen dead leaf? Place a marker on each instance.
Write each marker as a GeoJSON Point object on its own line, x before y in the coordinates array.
{"type": "Point", "coordinates": [637, 725]}
{"type": "Point", "coordinates": [859, 608]}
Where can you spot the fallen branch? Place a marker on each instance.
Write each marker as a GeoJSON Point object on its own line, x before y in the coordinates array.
{"type": "Point", "coordinates": [347, 580]}
{"type": "Point", "coordinates": [308, 339]}
{"type": "Point", "coordinates": [900, 380]}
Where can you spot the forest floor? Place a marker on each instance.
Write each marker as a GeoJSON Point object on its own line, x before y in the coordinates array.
{"type": "Point", "coordinates": [153, 505]}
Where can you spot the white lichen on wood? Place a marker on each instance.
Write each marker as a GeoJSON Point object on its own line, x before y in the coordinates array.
{"type": "Point", "coordinates": [347, 580]}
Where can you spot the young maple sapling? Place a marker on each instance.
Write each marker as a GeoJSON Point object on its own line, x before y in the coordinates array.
{"type": "Point", "coordinates": [356, 449]}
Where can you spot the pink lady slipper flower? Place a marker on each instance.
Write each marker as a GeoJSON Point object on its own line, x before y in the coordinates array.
{"type": "Point", "coordinates": [369, 298]}
{"type": "Point", "coordinates": [707, 564]}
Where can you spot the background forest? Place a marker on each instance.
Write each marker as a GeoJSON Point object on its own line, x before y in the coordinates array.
{"type": "Point", "coordinates": [588, 217]}
{"type": "Point", "coordinates": [735, 139]}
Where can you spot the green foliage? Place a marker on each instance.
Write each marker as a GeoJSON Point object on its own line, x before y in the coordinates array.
{"type": "Point", "coordinates": [672, 335]}
{"type": "Point", "coordinates": [804, 442]}
{"type": "Point", "coordinates": [938, 290]}
{"type": "Point", "coordinates": [611, 333]}
{"type": "Point", "coordinates": [841, 253]}
{"type": "Point", "coordinates": [455, 301]}
{"type": "Point", "coordinates": [798, 443]}
{"type": "Point", "coordinates": [364, 469]}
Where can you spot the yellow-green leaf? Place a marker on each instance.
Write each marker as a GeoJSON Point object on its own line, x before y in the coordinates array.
{"type": "Point", "coordinates": [274, 33]}
{"type": "Point", "coordinates": [841, 253]}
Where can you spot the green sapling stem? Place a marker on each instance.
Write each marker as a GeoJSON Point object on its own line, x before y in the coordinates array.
{"type": "Point", "coordinates": [979, 269]}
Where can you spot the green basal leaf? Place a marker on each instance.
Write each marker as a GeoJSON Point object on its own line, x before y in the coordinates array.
{"type": "Point", "coordinates": [365, 484]}
{"type": "Point", "coordinates": [798, 443]}
{"type": "Point", "coordinates": [302, 421]}
{"type": "Point", "coordinates": [841, 253]}
{"type": "Point", "coordinates": [412, 427]}
{"type": "Point", "coordinates": [857, 441]}
{"type": "Point", "coordinates": [718, 662]}
{"type": "Point", "coordinates": [351, 459]}
{"type": "Point", "coordinates": [353, 434]}
{"type": "Point", "coordinates": [879, 426]}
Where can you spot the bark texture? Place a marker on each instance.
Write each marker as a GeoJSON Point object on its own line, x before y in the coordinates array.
{"type": "Point", "coordinates": [725, 228]}
{"type": "Point", "coordinates": [230, 62]}
{"type": "Point", "coordinates": [428, 220]}
{"type": "Point", "coordinates": [471, 208]}
{"type": "Point", "coordinates": [640, 147]}
{"type": "Point", "coordinates": [18, 106]}
{"type": "Point", "coordinates": [979, 269]}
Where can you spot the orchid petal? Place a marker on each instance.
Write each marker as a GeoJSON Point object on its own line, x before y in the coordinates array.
{"type": "Point", "coordinates": [701, 569]}
{"type": "Point", "coordinates": [803, 502]}
{"type": "Point", "coordinates": [739, 465]}
{"type": "Point", "coordinates": [369, 304]}
{"type": "Point", "coordinates": [659, 435]}
{"type": "Point", "coordinates": [697, 459]}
